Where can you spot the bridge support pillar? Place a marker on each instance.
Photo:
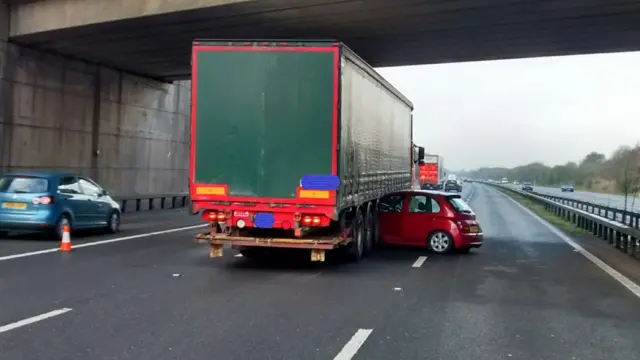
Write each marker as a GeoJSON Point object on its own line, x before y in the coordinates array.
{"type": "Point", "coordinates": [4, 22]}
{"type": "Point", "coordinates": [4, 94]}
{"type": "Point", "coordinates": [57, 114]}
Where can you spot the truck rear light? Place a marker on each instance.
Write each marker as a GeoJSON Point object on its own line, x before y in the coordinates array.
{"type": "Point", "coordinates": [297, 216]}
{"type": "Point", "coordinates": [209, 215]}
{"type": "Point", "coordinates": [311, 220]}
{"type": "Point", "coordinates": [221, 216]}
{"type": "Point", "coordinates": [42, 200]}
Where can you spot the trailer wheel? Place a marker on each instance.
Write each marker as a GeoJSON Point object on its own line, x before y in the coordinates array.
{"type": "Point", "coordinates": [356, 249]}
{"type": "Point", "coordinates": [375, 228]}
{"type": "Point", "coordinates": [368, 233]}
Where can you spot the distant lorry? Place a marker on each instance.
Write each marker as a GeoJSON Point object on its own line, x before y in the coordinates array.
{"type": "Point", "coordinates": [431, 172]}
{"type": "Point", "coordinates": [292, 146]}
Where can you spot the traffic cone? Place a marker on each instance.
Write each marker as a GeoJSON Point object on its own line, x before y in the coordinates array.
{"type": "Point", "coordinates": [65, 245]}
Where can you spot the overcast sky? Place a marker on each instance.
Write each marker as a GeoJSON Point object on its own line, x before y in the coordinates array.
{"type": "Point", "coordinates": [513, 112]}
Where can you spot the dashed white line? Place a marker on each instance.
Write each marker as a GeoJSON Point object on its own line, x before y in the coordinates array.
{"type": "Point", "coordinates": [238, 255]}
{"type": "Point", "coordinates": [473, 190]}
{"type": "Point", "coordinates": [33, 319]}
{"type": "Point", "coordinates": [102, 242]}
{"type": "Point", "coordinates": [351, 348]}
{"type": "Point", "coordinates": [419, 262]}
{"type": "Point", "coordinates": [625, 281]}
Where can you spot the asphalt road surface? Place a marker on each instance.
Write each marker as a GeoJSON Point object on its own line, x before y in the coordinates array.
{"type": "Point", "coordinates": [614, 201]}
{"type": "Point", "coordinates": [526, 294]}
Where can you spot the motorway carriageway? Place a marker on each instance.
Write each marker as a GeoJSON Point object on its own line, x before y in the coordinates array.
{"type": "Point", "coordinates": [610, 200]}
{"type": "Point", "coordinates": [530, 292]}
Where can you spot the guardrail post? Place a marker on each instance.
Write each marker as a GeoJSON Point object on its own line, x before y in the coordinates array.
{"type": "Point", "coordinates": [162, 202]}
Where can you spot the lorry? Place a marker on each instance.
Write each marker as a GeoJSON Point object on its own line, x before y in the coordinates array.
{"type": "Point", "coordinates": [431, 172]}
{"type": "Point", "coordinates": [292, 145]}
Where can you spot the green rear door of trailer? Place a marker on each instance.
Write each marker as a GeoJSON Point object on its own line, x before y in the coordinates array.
{"type": "Point", "coordinates": [263, 119]}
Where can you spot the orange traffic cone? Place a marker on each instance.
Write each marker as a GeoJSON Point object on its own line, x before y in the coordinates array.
{"type": "Point", "coordinates": [65, 245]}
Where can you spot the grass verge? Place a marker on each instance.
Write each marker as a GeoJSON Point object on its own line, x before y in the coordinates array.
{"type": "Point", "coordinates": [547, 215]}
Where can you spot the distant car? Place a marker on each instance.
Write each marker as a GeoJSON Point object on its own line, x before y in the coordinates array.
{"type": "Point", "coordinates": [567, 188]}
{"type": "Point", "coordinates": [440, 221]}
{"type": "Point", "coordinates": [47, 202]}
{"type": "Point", "coordinates": [527, 186]}
{"type": "Point", "coordinates": [452, 185]}
{"type": "Point", "coordinates": [436, 186]}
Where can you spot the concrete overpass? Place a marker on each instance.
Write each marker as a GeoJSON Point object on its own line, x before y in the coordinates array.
{"type": "Point", "coordinates": [153, 37]}
{"type": "Point", "coordinates": [76, 76]}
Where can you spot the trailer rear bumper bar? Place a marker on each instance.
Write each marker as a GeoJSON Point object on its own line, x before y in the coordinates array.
{"type": "Point", "coordinates": [317, 246]}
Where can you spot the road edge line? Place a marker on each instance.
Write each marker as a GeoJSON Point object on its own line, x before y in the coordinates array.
{"type": "Point", "coordinates": [101, 242]}
{"type": "Point", "coordinates": [33, 319]}
{"type": "Point", "coordinates": [615, 274]}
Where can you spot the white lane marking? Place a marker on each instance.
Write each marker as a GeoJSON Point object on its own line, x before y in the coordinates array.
{"type": "Point", "coordinates": [419, 262]}
{"type": "Point", "coordinates": [473, 191]}
{"type": "Point", "coordinates": [352, 347]}
{"type": "Point", "coordinates": [625, 281]}
{"type": "Point", "coordinates": [34, 319]}
{"type": "Point", "coordinates": [238, 255]}
{"type": "Point", "coordinates": [102, 242]}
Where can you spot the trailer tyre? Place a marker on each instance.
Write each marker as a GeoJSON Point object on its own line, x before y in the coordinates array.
{"type": "Point", "coordinates": [375, 228]}
{"type": "Point", "coordinates": [368, 233]}
{"type": "Point", "coordinates": [357, 245]}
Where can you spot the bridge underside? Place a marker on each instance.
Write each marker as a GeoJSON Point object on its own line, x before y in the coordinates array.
{"type": "Point", "coordinates": [385, 33]}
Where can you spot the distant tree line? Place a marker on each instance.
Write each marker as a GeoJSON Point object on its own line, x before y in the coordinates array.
{"type": "Point", "coordinates": [619, 173]}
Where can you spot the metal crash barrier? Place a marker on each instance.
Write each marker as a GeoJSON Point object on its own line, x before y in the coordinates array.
{"type": "Point", "coordinates": [628, 217]}
{"type": "Point", "coordinates": [152, 202]}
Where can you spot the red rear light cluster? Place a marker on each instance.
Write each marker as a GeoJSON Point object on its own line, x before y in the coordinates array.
{"type": "Point", "coordinates": [214, 216]}
{"type": "Point", "coordinates": [42, 200]}
{"type": "Point", "coordinates": [308, 220]}
{"type": "Point", "coordinates": [468, 226]}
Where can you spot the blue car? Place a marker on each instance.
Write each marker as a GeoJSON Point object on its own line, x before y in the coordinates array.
{"type": "Point", "coordinates": [44, 201]}
{"type": "Point", "coordinates": [568, 188]}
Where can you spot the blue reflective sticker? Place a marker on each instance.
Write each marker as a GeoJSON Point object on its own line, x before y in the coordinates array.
{"type": "Point", "coordinates": [320, 182]}
{"type": "Point", "coordinates": [264, 220]}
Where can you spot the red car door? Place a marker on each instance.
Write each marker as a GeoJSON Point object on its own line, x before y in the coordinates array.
{"type": "Point", "coordinates": [423, 216]}
{"type": "Point", "coordinates": [390, 218]}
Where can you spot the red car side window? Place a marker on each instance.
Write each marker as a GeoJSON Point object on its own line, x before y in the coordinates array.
{"type": "Point", "coordinates": [391, 203]}
{"type": "Point", "coordinates": [423, 204]}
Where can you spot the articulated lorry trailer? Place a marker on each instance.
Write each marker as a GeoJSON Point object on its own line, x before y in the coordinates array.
{"type": "Point", "coordinates": [292, 145]}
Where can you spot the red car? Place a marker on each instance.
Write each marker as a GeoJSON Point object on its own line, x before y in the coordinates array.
{"type": "Point", "coordinates": [440, 221]}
